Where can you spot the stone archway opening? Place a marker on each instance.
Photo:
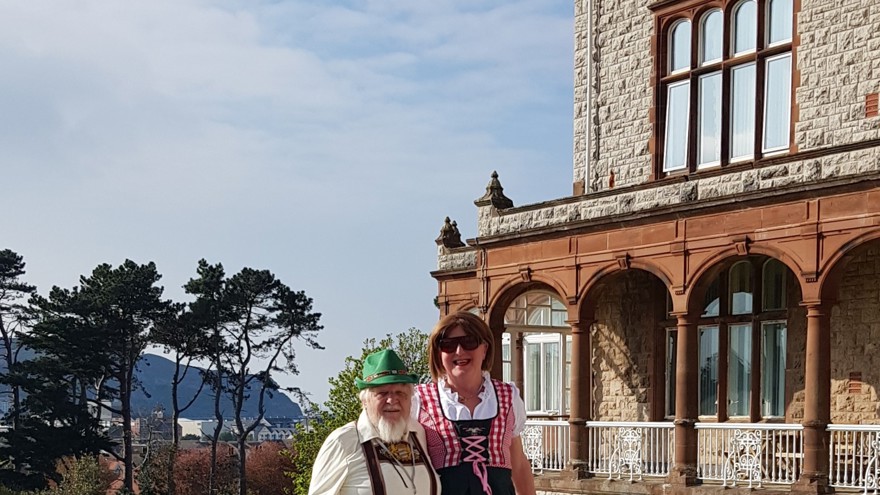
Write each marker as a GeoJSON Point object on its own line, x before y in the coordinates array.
{"type": "Point", "coordinates": [751, 332]}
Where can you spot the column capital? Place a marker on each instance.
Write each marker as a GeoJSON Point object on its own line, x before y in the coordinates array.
{"type": "Point", "coordinates": [578, 326]}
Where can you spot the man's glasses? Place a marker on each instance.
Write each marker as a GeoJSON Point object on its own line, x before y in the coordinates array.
{"type": "Point", "coordinates": [467, 342]}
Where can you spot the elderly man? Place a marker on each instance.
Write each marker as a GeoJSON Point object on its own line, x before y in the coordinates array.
{"type": "Point", "coordinates": [383, 452]}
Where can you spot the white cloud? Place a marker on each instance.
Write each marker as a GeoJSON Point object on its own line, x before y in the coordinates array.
{"type": "Point", "coordinates": [323, 140]}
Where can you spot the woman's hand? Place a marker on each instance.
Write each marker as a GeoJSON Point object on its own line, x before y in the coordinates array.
{"type": "Point", "coordinates": [521, 469]}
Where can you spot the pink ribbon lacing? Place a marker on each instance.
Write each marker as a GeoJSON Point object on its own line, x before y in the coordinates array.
{"type": "Point", "coordinates": [475, 450]}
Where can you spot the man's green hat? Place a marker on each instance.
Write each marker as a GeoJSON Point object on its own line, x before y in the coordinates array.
{"type": "Point", "coordinates": [384, 367]}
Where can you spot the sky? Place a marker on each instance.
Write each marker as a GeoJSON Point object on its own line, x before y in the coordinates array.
{"type": "Point", "coordinates": [323, 140]}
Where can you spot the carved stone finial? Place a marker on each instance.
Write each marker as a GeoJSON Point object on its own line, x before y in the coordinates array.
{"type": "Point", "coordinates": [495, 195]}
{"type": "Point", "coordinates": [450, 237]}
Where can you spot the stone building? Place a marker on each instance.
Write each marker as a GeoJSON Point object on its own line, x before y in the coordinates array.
{"type": "Point", "coordinates": [704, 309]}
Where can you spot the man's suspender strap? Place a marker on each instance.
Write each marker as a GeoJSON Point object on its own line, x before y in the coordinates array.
{"type": "Point", "coordinates": [376, 480]}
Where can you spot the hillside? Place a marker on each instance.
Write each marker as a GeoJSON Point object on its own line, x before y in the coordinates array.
{"type": "Point", "coordinates": [155, 374]}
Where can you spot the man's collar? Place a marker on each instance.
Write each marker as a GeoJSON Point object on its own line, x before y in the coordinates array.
{"type": "Point", "coordinates": [365, 429]}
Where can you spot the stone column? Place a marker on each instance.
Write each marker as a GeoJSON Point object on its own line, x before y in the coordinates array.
{"type": "Point", "coordinates": [817, 400]}
{"type": "Point", "coordinates": [684, 467]}
{"type": "Point", "coordinates": [581, 389]}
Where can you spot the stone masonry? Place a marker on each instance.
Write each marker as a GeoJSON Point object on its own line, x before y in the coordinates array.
{"type": "Point", "coordinates": [838, 66]}
{"type": "Point", "coordinates": [855, 342]}
{"type": "Point", "coordinates": [622, 348]}
{"type": "Point", "coordinates": [834, 63]}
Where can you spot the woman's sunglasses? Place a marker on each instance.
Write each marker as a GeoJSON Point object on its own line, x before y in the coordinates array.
{"type": "Point", "coordinates": [467, 342]}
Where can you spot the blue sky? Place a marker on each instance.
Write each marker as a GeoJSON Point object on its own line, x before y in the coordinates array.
{"type": "Point", "coordinates": [323, 140]}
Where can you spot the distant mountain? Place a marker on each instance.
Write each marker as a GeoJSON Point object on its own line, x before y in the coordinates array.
{"type": "Point", "coordinates": [154, 374]}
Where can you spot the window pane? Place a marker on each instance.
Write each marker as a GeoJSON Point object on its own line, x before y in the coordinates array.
{"type": "Point", "coordinates": [711, 306]}
{"type": "Point", "coordinates": [739, 370]}
{"type": "Point", "coordinates": [505, 372]}
{"type": "Point", "coordinates": [551, 377]}
{"type": "Point", "coordinates": [505, 352]}
{"type": "Point", "coordinates": [680, 49]}
{"type": "Point", "coordinates": [780, 21]}
{"type": "Point", "coordinates": [671, 358]}
{"type": "Point", "coordinates": [741, 288]}
{"type": "Point", "coordinates": [773, 344]}
{"type": "Point", "coordinates": [710, 37]}
{"type": "Point", "coordinates": [773, 282]}
{"type": "Point", "coordinates": [675, 146]}
{"type": "Point", "coordinates": [777, 102]}
{"type": "Point", "coordinates": [539, 316]}
{"type": "Point", "coordinates": [515, 316]}
{"type": "Point", "coordinates": [566, 379]}
{"type": "Point", "coordinates": [533, 377]}
{"type": "Point", "coordinates": [708, 371]}
{"type": "Point", "coordinates": [710, 119]}
{"type": "Point", "coordinates": [744, 34]}
{"type": "Point", "coordinates": [742, 122]}
{"type": "Point", "coordinates": [559, 318]}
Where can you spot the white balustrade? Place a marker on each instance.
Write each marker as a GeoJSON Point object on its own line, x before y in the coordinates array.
{"type": "Point", "coordinates": [753, 453]}
{"type": "Point", "coordinates": [546, 444]}
{"type": "Point", "coordinates": [853, 457]}
{"type": "Point", "coordinates": [630, 449]}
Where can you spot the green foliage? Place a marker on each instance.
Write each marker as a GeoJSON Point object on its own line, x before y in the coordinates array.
{"type": "Point", "coordinates": [343, 405]}
{"type": "Point", "coordinates": [253, 319]}
{"type": "Point", "coordinates": [152, 477]}
{"type": "Point", "coordinates": [94, 334]}
{"type": "Point", "coordinates": [83, 476]}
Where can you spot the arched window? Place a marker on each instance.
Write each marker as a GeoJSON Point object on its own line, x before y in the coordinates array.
{"type": "Point", "coordinates": [744, 30]}
{"type": "Point", "coordinates": [678, 101]}
{"type": "Point", "coordinates": [773, 285]}
{"type": "Point", "coordinates": [731, 101]}
{"type": "Point", "coordinates": [711, 29]}
{"type": "Point", "coordinates": [736, 336]}
{"type": "Point", "coordinates": [680, 48]}
{"type": "Point", "coordinates": [539, 317]}
{"type": "Point", "coordinates": [741, 288]}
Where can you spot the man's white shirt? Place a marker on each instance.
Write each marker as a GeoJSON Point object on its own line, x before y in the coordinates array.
{"type": "Point", "coordinates": [341, 467]}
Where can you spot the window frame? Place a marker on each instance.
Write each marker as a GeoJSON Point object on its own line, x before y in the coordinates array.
{"type": "Point", "coordinates": [723, 322]}
{"type": "Point", "coordinates": [695, 12]}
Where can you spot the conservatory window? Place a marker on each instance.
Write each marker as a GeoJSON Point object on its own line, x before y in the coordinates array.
{"type": "Point", "coordinates": [739, 369]}
{"type": "Point", "coordinates": [671, 359]}
{"type": "Point", "coordinates": [773, 345]}
{"type": "Point", "coordinates": [539, 317]}
{"type": "Point", "coordinates": [773, 284]}
{"type": "Point", "coordinates": [708, 397]}
{"type": "Point", "coordinates": [741, 288]}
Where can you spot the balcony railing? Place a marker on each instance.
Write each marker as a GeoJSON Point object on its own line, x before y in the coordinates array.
{"type": "Point", "coordinates": [752, 454]}
{"type": "Point", "coordinates": [630, 450]}
{"type": "Point", "coordinates": [853, 457]}
{"type": "Point", "coordinates": [546, 444]}
{"type": "Point", "coordinates": [749, 453]}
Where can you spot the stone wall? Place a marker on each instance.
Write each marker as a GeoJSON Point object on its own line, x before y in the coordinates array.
{"type": "Point", "coordinates": [620, 88]}
{"type": "Point", "coordinates": [456, 258]}
{"type": "Point", "coordinates": [855, 341]}
{"type": "Point", "coordinates": [622, 346]}
{"type": "Point", "coordinates": [773, 178]}
{"type": "Point", "coordinates": [839, 63]}
{"type": "Point", "coordinates": [836, 59]}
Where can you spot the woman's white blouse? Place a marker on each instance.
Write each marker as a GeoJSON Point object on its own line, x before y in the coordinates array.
{"type": "Point", "coordinates": [486, 409]}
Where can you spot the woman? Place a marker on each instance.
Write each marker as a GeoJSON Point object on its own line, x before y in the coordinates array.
{"type": "Point", "coordinates": [472, 422]}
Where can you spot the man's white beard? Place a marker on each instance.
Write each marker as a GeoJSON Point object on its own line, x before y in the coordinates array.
{"type": "Point", "coordinates": [391, 431]}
